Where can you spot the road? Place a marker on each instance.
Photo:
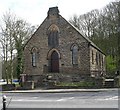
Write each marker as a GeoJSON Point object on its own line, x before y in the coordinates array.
{"type": "Point", "coordinates": [104, 99]}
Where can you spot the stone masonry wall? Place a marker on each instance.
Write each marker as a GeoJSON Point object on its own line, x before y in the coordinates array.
{"type": "Point", "coordinates": [97, 63]}
{"type": "Point", "coordinates": [68, 35]}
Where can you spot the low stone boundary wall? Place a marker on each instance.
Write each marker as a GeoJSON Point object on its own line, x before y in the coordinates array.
{"type": "Point", "coordinates": [8, 87]}
{"type": "Point", "coordinates": [27, 85]}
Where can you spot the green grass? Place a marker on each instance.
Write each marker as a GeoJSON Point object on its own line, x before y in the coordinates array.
{"type": "Point", "coordinates": [76, 84]}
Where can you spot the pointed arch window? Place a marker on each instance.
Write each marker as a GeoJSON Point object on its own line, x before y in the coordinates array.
{"type": "Point", "coordinates": [34, 57]}
{"type": "Point", "coordinates": [102, 61]}
{"type": "Point", "coordinates": [97, 58]}
{"type": "Point", "coordinates": [92, 57]}
{"type": "Point", "coordinates": [75, 50]}
{"type": "Point", "coordinates": [53, 36]}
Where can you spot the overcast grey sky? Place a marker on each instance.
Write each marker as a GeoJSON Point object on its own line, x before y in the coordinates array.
{"type": "Point", "coordinates": [35, 11]}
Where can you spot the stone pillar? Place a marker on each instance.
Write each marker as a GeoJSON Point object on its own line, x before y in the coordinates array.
{"type": "Point", "coordinates": [23, 77]}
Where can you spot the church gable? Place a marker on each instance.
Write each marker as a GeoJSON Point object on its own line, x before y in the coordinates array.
{"type": "Point", "coordinates": [55, 31]}
{"type": "Point", "coordinates": [58, 47]}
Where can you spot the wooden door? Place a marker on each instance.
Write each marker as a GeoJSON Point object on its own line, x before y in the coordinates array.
{"type": "Point", "coordinates": [54, 62]}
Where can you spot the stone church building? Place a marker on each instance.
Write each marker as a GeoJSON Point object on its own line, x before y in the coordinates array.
{"type": "Point", "coordinates": [58, 51]}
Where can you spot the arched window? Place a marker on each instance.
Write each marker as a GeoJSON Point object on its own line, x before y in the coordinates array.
{"type": "Point", "coordinates": [97, 58]}
{"type": "Point", "coordinates": [74, 50]}
{"type": "Point", "coordinates": [92, 57]}
{"type": "Point", "coordinates": [53, 36]}
{"type": "Point", "coordinates": [34, 57]}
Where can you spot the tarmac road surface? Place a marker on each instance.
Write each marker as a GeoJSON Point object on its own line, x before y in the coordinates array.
{"type": "Point", "coordinates": [101, 99]}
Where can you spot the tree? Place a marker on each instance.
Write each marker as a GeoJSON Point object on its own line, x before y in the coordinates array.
{"type": "Point", "coordinates": [75, 21]}
{"type": "Point", "coordinates": [14, 34]}
{"type": "Point", "coordinates": [86, 23]}
{"type": "Point", "coordinates": [103, 28]}
{"type": "Point", "coordinates": [5, 44]}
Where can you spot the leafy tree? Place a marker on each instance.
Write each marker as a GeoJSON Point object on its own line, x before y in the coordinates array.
{"type": "Point", "coordinates": [14, 34]}
{"type": "Point", "coordinates": [103, 28]}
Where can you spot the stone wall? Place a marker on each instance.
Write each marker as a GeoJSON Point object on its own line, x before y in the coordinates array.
{"type": "Point", "coordinates": [97, 62]}
{"type": "Point", "coordinates": [68, 35]}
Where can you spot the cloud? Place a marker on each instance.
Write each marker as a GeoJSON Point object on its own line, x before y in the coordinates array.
{"type": "Point", "coordinates": [35, 11]}
{"type": "Point", "coordinates": [70, 7]}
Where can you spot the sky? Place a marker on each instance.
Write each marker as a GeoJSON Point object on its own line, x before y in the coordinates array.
{"type": "Point", "coordinates": [35, 11]}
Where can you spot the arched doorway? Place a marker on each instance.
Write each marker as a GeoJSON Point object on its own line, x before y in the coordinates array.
{"type": "Point", "coordinates": [54, 62]}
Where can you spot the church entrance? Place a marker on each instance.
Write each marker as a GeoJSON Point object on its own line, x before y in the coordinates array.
{"type": "Point", "coordinates": [54, 62]}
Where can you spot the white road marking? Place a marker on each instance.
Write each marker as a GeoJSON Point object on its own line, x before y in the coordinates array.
{"type": "Point", "coordinates": [61, 99]}
{"type": "Point", "coordinates": [70, 98]}
{"type": "Point", "coordinates": [44, 100]}
{"type": "Point", "coordinates": [112, 98]}
{"type": "Point", "coordinates": [109, 98]}
{"type": "Point", "coordinates": [65, 99]}
{"type": "Point", "coordinates": [26, 100]}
